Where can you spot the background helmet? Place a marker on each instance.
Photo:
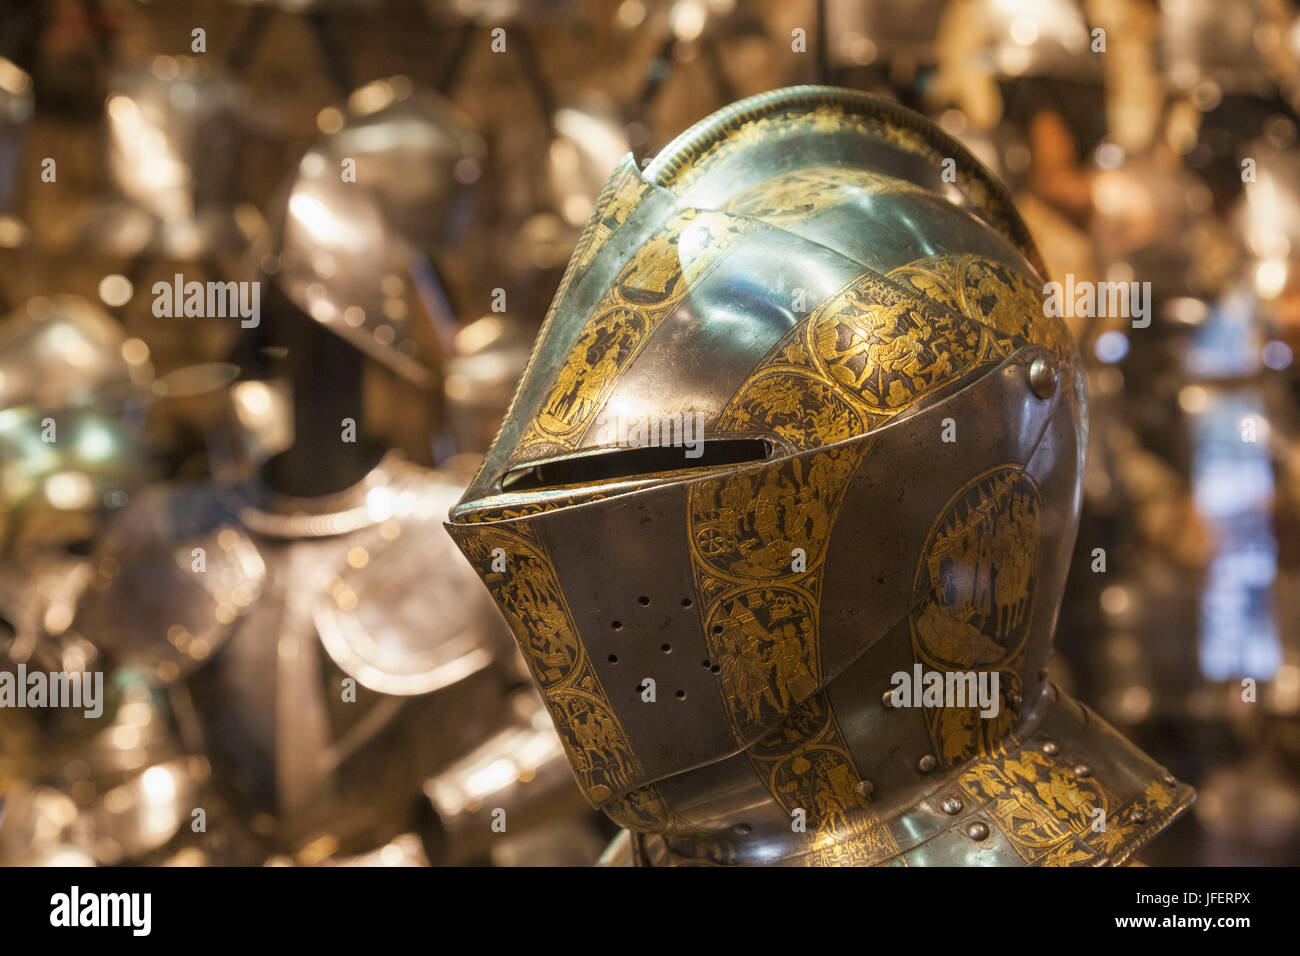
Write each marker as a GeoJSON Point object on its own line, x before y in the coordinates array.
{"type": "Point", "coordinates": [349, 229]}
{"type": "Point", "coordinates": [173, 162]}
{"type": "Point", "coordinates": [840, 302]}
{"type": "Point", "coordinates": [73, 394]}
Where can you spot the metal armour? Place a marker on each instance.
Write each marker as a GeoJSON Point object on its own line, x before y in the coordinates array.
{"type": "Point", "coordinates": [263, 605]}
{"type": "Point", "coordinates": [16, 107]}
{"type": "Point", "coordinates": [72, 391]}
{"type": "Point", "coordinates": [345, 230]}
{"type": "Point", "coordinates": [416, 153]}
{"type": "Point", "coordinates": [173, 161]}
{"type": "Point", "coordinates": [798, 271]}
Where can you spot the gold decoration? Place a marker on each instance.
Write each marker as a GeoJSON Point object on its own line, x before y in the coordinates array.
{"type": "Point", "coordinates": [1040, 807]}
{"type": "Point", "coordinates": [886, 349]}
{"type": "Point", "coordinates": [973, 601]}
{"type": "Point", "coordinates": [868, 352]}
{"type": "Point", "coordinates": [806, 765]}
{"type": "Point", "coordinates": [647, 290]}
{"type": "Point", "coordinates": [534, 605]}
{"type": "Point", "coordinates": [796, 196]}
{"type": "Point", "coordinates": [622, 194]}
{"type": "Point", "coordinates": [692, 162]}
{"type": "Point", "coordinates": [1004, 300]}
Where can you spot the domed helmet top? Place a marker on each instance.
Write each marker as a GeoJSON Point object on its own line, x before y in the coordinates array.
{"type": "Point", "coordinates": [415, 152]}
{"type": "Point", "coordinates": [798, 436]}
{"type": "Point", "coordinates": [173, 161]}
{"type": "Point", "coordinates": [347, 230]}
{"type": "Point", "coordinates": [332, 254]}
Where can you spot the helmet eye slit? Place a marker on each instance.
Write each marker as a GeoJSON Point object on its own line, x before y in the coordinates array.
{"type": "Point", "coordinates": [609, 465]}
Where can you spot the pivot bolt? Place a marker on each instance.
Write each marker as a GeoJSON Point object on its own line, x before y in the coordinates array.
{"type": "Point", "coordinates": [1043, 377]}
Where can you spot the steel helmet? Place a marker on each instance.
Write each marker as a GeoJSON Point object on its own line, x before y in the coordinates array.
{"type": "Point", "coordinates": [798, 432]}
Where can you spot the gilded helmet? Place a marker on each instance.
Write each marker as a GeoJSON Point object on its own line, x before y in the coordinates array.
{"type": "Point", "coordinates": [795, 460]}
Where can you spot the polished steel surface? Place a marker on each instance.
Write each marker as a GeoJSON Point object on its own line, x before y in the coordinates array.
{"type": "Point", "coordinates": [173, 161]}
{"type": "Point", "coordinates": [416, 153]}
{"type": "Point", "coordinates": [16, 102]}
{"type": "Point", "coordinates": [490, 355]}
{"type": "Point", "coordinates": [817, 292]}
{"type": "Point", "coordinates": [63, 352]}
{"type": "Point", "coordinates": [316, 654]}
{"type": "Point", "coordinates": [73, 390]}
{"type": "Point", "coordinates": [350, 230]}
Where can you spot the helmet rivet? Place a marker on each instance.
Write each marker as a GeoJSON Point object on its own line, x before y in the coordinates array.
{"type": "Point", "coordinates": [1042, 377]}
{"type": "Point", "coordinates": [926, 763]}
{"type": "Point", "coordinates": [741, 828]}
{"type": "Point", "coordinates": [866, 788]}
{"type": "Point", "coordinates": [978, 830]}
{"type": "Point", "coordinates": [887, 698]}
{"type": "Point", "coordinates": [1139, 817]}
{"type": "Point", "coordinates": [951, 806]}
{"type": "Point", "coordinates": [1051, 749]}
{"type": "Point", "coordinates": [1169, 779]}
{"type": "Point", "coordinates": [1083, 770]}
